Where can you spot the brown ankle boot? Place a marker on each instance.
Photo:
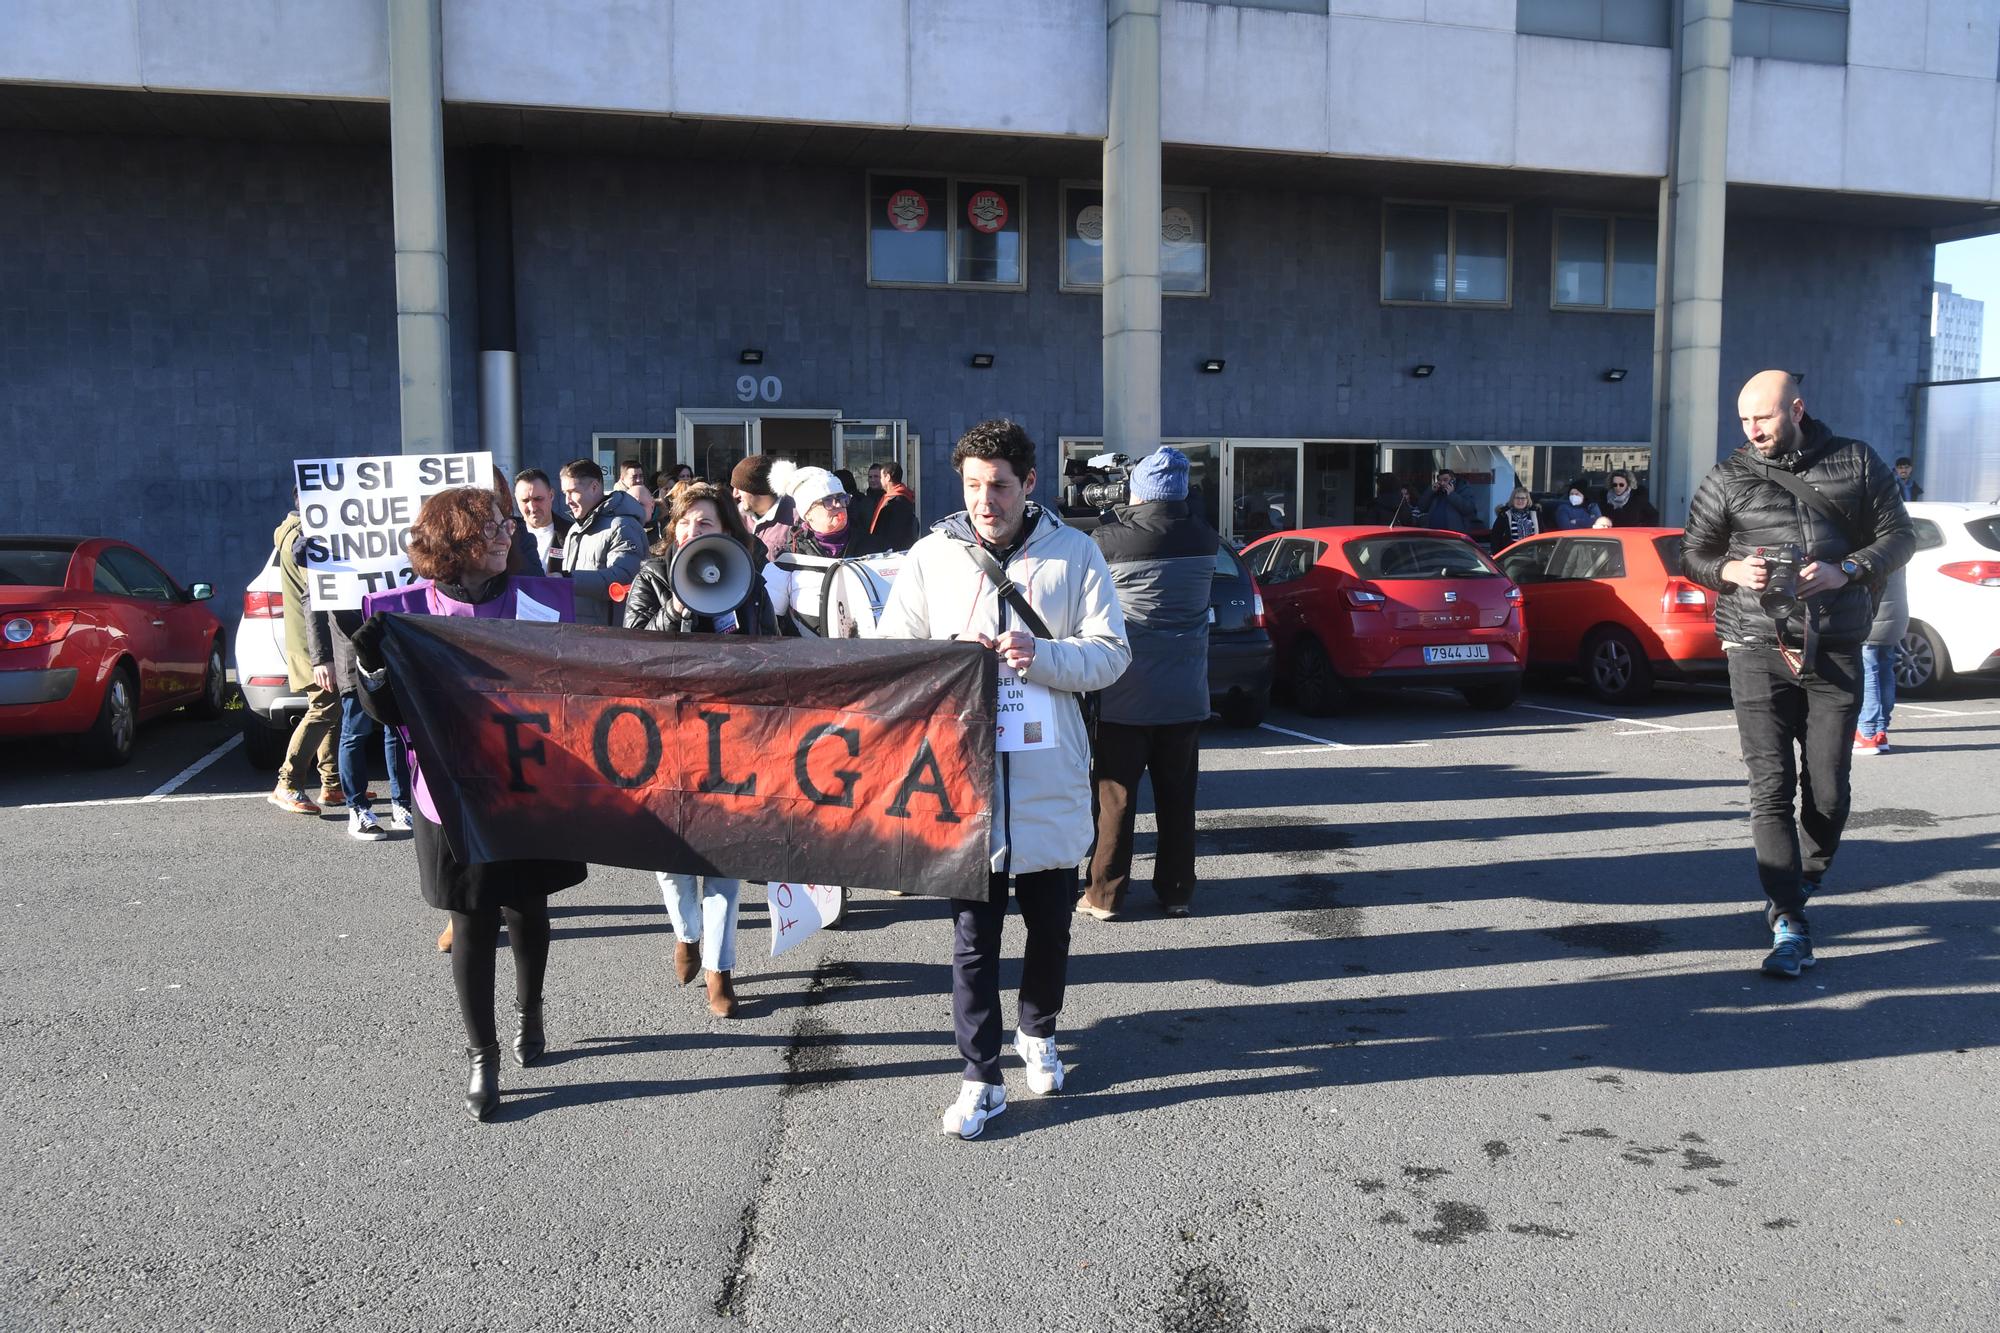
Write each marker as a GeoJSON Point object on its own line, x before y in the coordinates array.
{"type": "Point", "coordinates": [687, 961]}
{"type": "Point", "coordinates": [721, 995]}
{"type": "Point", "coordinates": [444, 939]}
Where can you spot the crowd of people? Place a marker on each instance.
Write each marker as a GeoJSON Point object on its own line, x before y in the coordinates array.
{"type": "Point", "coordinates": [1113, 623]}
{"type": "Point", "coordinates": [1445, 504]}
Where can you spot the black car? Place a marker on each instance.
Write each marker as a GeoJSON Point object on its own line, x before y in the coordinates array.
{"type": "Point", "coordinates": [1240, 657]}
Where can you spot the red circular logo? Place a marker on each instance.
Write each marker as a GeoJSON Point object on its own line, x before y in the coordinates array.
{"type": "Point", "coordinates": [908, 211]}
{"type": "Point", "coordinates": [986, 211]}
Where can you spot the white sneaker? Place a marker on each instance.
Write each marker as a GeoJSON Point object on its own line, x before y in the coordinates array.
{"type": "Point", "coordinates": [1045, 1070]}
{"type": "Point", "coordinates": [977, 1103]}
{"type": "Point", "coordinates": [362, 824]}
{"type": "Point", "coordinates": [400, 818]}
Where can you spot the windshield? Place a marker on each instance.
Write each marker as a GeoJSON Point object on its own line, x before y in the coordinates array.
{"type": "Point", "coordinates": [34, 566]}
{"type": "Point", "coordinates": [1416, 557]}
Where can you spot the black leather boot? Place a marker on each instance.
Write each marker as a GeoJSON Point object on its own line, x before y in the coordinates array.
{"type": "Point", "coordinates": [482, 1093]}
{"type": "Point", "coordinates": [529, 1039]}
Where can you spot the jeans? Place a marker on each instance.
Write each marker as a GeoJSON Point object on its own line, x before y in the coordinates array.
{"type": "Point", "coordinates": [355, 728]}
{"type": "Point", "coordinates": [703, 909]}
{"type": "Point", "coordinates": [1048, 904]}
{"type": "Point", "coordinates": [1779, 718]}
{"type": "Point", "coordinates": [1878, 687]}
{"type": "Point", "coordinates": [1172, 753]}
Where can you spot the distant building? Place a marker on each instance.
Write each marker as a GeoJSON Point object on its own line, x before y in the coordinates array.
{"type": "Point", "coordinates": [1957, 323]}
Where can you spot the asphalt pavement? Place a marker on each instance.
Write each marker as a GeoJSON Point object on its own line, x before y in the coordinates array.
{"type": "Point", "coordinates": [1465, 1034]}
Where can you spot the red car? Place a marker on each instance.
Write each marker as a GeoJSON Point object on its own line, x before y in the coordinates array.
{"type": "Point", "coordinates": [1382, 607]}
{"type": "Point", "coordinates": [95, 638]}
{"type": "Point", "coordinates": [1612, 605]}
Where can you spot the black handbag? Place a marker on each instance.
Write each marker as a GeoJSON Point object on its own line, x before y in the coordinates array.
{"type": "Point", "coordinates": [1088, 704]}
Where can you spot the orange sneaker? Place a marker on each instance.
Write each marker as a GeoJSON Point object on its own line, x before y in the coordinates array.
{"type": "Point", "coordinates": [292, 799]}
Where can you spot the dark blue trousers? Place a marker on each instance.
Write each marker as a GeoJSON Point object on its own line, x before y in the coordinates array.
{"type": "Point", "coordinates": [1048, 900]}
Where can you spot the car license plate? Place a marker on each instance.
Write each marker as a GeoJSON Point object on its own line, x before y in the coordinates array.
{"type": "Point", "coordinates": [1455, 652]}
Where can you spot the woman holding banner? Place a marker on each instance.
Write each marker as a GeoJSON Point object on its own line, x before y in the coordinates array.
{"type": "Point", "coordinates": [460, 545]}
{"type": "Point", "coordinates": [703, 908]}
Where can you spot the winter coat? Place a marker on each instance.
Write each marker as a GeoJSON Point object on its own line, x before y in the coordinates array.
{"type": "Point", "coordinates": [560, 526]}
{"type": "Point", "coordinates": [795, 579]}
{"type": "Point", "coordinates": [891, 522]}
{"type": "Point", "coordinates": [651, 605]}
{"type": "Point", "coordinates": [1041, 798]}
{"type": "Point", "coordinates": [1569, 516]}
{"type": "Point", "coordinates": [1162, 558]}
{"type": "Point", "coordinates": [1737, 509]}
{"type": "Point", "coordinates": [1892, 612]}
{"type": "Point", "coordinates": [1637, 513]}
{"type": "Point", "coordinates": [299, 658]}
{"type": "Point", "coordinates": [446, 882]}
{"type": "Point", "coordinates": [606, 546]}
{"type": "Point", "coordinates": [1450, 511]}
{"type": "Point", "coordinates": [1391, 510]}
{"type": "Point", "coordinates": [774, 529]}
{"type": "Point", "coordinates": [1503, 534]}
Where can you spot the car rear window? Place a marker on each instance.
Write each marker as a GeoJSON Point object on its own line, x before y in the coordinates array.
{"type": "Point", "coordinates": [1414, 557]}
{"type": "Point", "coordinates": [34, 566]}
{"type": "Point", "coordinates": [1225, 564]}
{"type": "Point", "coordinates": [1670, 555]}
{"type": "Point", "coordinates": [1986, 531]}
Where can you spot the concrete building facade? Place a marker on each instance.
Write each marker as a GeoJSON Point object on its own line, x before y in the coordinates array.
{"type": "Point", "coordinates": [1958, 327]}
{"type": "Point", "coordinates": [1391, 233]}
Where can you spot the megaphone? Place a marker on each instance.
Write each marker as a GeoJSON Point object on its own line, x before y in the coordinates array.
{"type": "Point", "coordinates": [710, 574]}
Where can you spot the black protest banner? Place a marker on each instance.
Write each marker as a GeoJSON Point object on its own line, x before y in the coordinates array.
{"type": "Point", "coordinates": [867, 763]}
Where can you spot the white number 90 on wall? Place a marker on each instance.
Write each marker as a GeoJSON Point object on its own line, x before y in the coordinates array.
{"type": "Point", "coordinates": [750, 389]}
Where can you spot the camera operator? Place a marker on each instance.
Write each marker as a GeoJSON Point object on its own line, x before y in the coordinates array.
{"type": "Point", "coordinates": [1162, 558]}
{"type": "Point", "coordinates": [1796, 532]}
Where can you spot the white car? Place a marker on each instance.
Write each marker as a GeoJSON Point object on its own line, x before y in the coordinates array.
{"type": "Point", "coordinates": [1954, 581]}
{"type": "Point", "coordinates": [271, 707]}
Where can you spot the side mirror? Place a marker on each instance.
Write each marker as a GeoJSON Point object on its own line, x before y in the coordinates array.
{"type": "Point", "coordinates": [201, 592]}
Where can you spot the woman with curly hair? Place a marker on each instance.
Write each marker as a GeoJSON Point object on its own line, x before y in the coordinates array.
{"type": "Point", "coordinates": [460, 545]}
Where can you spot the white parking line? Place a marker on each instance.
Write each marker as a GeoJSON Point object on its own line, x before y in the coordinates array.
{"type": "Point", "coordinates": [1726, 726]}
{"type": "Point", "coordinates": [147, 800]}
{"type": "Point", "coordinates": [1601, 717]}
{"type": "Point", "coordinates": [173, 784]}
{"type": "Point", "coordinates": [1334, 745]}
{"type": "Point", "coordinates": [1950, 712]}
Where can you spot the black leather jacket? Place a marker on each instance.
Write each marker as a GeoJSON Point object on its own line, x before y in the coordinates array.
{"type": "Point", "coordinates": [650, 604]}
{"type": "Point", "coordinates": [1737, 509]}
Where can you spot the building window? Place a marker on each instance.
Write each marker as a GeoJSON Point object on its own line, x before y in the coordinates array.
{"type": "Point", "coordinates": [946, 231]}
{"type": "Point", "coordinates": [1634, 22]}
{"type": "Point", "coordinates": [1604, 263]}
{"type": "Point", "coordinates": [1451, 254]}
{"type": "Point", "coordinates": [1183, 239]}
{"type": "Point", "coordinates": [1809, 30]}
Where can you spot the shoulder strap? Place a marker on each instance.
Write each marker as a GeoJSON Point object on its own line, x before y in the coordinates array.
{"type": "Point", "coordinates": [1824, 507]}
{"type": "Point", "coordinates": [1009, 592]}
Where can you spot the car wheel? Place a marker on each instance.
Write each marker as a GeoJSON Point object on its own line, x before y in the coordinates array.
{"type": "Point", "coordinates": [214, 685]}
{"type": "Point", "coordinates": [109, 741]}
{"type": "Point", "coordinates": [1495, 698]}
{"type": "Point", "coordinates": [1246, 708]}
{"type": "Point", "coordinates": [1615, 668]}
{"type": "Point", "coordinates": [1317, 688]}
{"type": "Point", "coordinates": [1922, 664]}
{"type": "Point", "coordinates": [263, 744]}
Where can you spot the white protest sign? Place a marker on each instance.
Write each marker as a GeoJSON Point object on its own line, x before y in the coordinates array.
{"type": "Point", "coordinates": [1025, 717]}
{"type": "Point", "coordinates": [797, 910]}
{"type": "Point", "coordinates": [357, 514]}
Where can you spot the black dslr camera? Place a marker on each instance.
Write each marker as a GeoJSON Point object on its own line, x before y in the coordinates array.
{"type": "Point", "coordinates": [1780, 596]}
{"type": "Point", "coordinates": [1100, 484]}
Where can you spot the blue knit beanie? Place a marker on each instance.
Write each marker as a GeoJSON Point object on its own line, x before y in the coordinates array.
{"type": "Point", "coordinates": [1160, 475]}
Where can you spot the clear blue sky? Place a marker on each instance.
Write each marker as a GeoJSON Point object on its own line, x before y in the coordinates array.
{"type": "Point", "coordinates": [1973, 269]}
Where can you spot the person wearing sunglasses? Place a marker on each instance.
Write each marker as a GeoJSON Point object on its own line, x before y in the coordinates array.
{"type": "Point", "coordinates": [1626, 506]}
{"type": "Point", "coordinates": [797, 578]}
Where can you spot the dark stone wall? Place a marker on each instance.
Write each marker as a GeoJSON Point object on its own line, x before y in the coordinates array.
{"type": "Point", "coordinates": [180, 318]}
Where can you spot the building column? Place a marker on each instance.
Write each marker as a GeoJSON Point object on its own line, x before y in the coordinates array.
{"type": "Point", "coordinates": [416, 169]}
{"type": "Point", "coordinates": [1687, 351]}
{"type": "Point", "coordinates": [1132, 229]}
{"type": "Point", "coordinates": [499, 370]}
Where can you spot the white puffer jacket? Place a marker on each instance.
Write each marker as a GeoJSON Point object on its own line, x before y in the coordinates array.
{"type": "Point", "coordinates": [1041, 798]}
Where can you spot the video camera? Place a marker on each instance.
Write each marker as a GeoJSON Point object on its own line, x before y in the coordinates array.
{"type": "Point", "coordinates": [1097, 485]}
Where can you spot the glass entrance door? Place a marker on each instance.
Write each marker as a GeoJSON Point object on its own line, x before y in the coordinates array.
{"type": "Point", "coordinates": [714, 441]}
{"type": "Point", "coordinates": [1261, 484]}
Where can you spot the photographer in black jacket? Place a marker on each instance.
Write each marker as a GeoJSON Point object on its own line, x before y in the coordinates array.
{"type": "Point", "coordinates": [1162, 558]}
{"type": "Point", "coordinates": [1797, 531]}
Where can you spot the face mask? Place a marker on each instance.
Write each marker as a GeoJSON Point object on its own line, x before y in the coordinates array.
{"type": "Point", "coordinates": [1575, 498]}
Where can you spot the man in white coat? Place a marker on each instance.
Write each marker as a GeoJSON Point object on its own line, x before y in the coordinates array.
{"type": "Point", "coordinates": [1041, 793]}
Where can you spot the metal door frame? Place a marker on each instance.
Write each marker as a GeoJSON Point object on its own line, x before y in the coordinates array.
{"type": "Point", "coordinates": [1227, 466]}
